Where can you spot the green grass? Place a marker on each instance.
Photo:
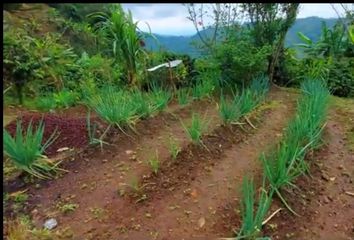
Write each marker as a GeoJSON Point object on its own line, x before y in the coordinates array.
{"type": "Point", "coordinates": [26, 150]}
{"type": "Point", "coordinates": [45, 103]}
{"type": "Point", "coordinates": [67, 208]}
{"type": "Point", "coordinates": [65, 98]}
{"type": "Point", "coordinates": [197, 127]}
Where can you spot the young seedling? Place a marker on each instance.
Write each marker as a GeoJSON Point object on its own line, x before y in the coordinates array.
{"type": "Point", "coordinates": [154, 163]}
{"type": "Point", "coordinates": [91, 133]}
{"type": "Point", "coordinates": [174, 148]}
{"type": "Point", "coordinates": [69, 207]}
{"type": "Point", "coordinates": [196, 129]}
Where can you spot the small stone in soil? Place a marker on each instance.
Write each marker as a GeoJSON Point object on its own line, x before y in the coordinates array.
{"type": "Point", "coordinates": [50, 223]}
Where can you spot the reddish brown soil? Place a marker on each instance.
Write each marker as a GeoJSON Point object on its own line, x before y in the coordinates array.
{"type": "Point", "coordinates": [68, 131]}
{"type": "Point", "coordinates": [325, 207]}
{"type": "Point", "coordinates": [200, 185]}
{"type": "Point", "coordinates": [93, 169]}
{"type": "Point", "coordinates": [201, 181]}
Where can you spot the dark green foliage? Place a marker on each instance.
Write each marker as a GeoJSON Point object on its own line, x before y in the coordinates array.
{"type": "Point", "coordinates": [341, 77]}
{"type": "Point", "coordinates": [240, 62]}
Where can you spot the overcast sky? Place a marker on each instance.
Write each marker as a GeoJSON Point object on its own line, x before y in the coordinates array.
{"type": "Point", "coordinates": [171, 19]}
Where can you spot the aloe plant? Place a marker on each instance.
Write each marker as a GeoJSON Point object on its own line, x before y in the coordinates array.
{"type": "Point", "coordinates": [27, 151]}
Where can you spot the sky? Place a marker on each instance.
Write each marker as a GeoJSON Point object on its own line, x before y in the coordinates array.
{"type": "Point", "coordinates": [171, 19]}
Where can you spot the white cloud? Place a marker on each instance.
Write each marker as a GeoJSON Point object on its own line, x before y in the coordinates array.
{"type": "Point", "coordinates": [171, 19]}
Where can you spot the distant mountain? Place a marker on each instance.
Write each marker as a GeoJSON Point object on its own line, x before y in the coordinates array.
{"type": "Point", "coordinates": [310, 26]}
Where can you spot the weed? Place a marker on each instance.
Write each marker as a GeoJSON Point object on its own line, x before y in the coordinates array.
{"type": "Point", "coordinates": [65, 98]}
{"type": "Point", "coordinates": [154, 163]}
{"type": "Point", "coordinates": [26, 151]}
{"type": "Point", "coordinates": [20, 197]}
{"type": "Point", "coordinates": [174, 148]}
{"type": "Point", "coordinates": [67, 208]}
{"type": "Point", "coordinates": [98, 213]}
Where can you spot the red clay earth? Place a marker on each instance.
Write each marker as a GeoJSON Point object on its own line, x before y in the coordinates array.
{"type": "Point", "coordinates": [197, 201]}
{"type": "Point", "coordinates": [96, 178]}
{"type": "Point", "coordinates": [71, 131]}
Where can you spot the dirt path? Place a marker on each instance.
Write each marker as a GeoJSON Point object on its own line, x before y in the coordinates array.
{"type": "Point", "coordinates": [175, 209]}
{"type": "Point", "coordinates": [96, 176]}
{"type": "Point", "coordinates": [325, 201]}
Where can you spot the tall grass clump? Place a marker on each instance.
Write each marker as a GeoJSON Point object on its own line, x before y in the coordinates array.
{"type": "Point", "coordinates": [183, 96]}
{"type": "Point", "coordinates": [228, 110]}
{"type": "Point", "coordinates": [160, 97]}
{"type": "Point", "coordinates": [252, 218]}
{"type": "Point", "coordinates": [45, 103]}
{"type": "Point", "coordinates": [203, 89]}
{"type": "Point", "coordinates": [253, 95]}
{"type": "Point", "coordinates": [26, 150]}
{"type": "Point", "coordinates": [115, 107]}
{"type": "Point", "coordinates": [197, 127]}
{"type": "Point", "coordinates": [259, 87]}
{"type": "Point", "coordinates": [143, 104]}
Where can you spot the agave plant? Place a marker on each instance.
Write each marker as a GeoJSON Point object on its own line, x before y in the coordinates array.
{"type": "Point", "coordinates": [27, 151]}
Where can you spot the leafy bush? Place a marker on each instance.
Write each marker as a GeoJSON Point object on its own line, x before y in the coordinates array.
{"type": "Point", "coordinates": [240, 61]}
{"type": "Point", "coordinates": [26, 151]}
{"type": "Point", "coordinates": [45, 103]}
{"type": "Point", "coordinates": [65, 98]}
{"type": "Point", "coordinates": [341, 77]}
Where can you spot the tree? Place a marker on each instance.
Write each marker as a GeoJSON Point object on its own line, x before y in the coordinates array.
{"type": "Point", "coordinates": [269, 23]}
{"type": "Point", "coordinates": [119, 29]}
{"type": "Point", "coordinates": [223, 17]}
